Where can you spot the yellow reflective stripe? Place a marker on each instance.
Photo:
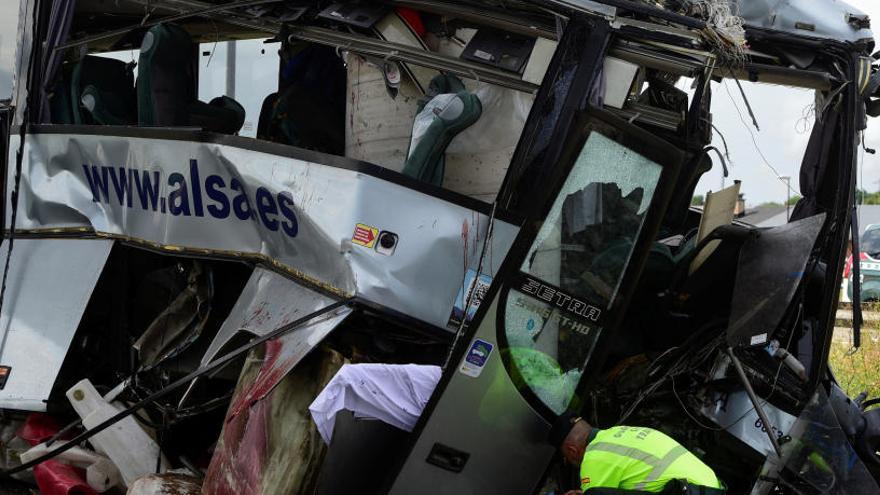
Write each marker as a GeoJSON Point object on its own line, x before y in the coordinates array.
{"type": "Point", "coordinates": [631, 452]}
{"type": "Point", "coordinates": [660, 467]}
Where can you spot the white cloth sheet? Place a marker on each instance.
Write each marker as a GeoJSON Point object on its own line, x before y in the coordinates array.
{"type": "Point", "coordinates": [393, 393]}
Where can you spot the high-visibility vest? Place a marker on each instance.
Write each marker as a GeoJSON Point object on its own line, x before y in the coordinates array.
{"type": "Point", "coordinates": [635, 458]}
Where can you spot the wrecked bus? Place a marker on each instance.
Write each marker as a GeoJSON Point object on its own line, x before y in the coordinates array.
{"type": "Point", "coordinates": [210, 207]}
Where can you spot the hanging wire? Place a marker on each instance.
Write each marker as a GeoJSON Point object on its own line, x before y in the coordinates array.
{"type": "Point", "coordinates": [723, 139]}
{"type": "Point", "coordinates": [756, 145]}
{"type": "Point", "coordinates": [805, 121]}
{"type": "Point", "coordinates": [216, 40]}
{"type": "Point", "coordinates": [748, 105]}
{"type": "Point", "coordinates": [684, 365]}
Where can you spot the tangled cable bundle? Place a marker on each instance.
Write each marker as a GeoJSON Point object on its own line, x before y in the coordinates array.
{"type": "Point", "coordinates": [719, 14]}
{"type": "Point", "coordinates": [724, 34]}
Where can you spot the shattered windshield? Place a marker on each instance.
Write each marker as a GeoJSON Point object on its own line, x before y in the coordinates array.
{"type": "Point", "coordinates": [577, 261]}
{"type": "Point", "coordinates": [585, 242]}
{"type": "Point", "coordinates": [818, 459]}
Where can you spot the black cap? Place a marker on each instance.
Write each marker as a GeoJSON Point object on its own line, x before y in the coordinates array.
{"type": "Point", "coordinates": [561, 427]}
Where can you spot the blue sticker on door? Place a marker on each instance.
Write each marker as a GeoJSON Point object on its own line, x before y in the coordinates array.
{"type": "Point", "coordinates": [476, 358]}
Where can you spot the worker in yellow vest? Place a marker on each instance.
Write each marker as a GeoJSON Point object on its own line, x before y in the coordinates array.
{"type": "Point", "coordinates": [630, 459]}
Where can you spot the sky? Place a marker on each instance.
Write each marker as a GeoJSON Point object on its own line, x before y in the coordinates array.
{"type": "Point", "coordinates": [8, 32]}
{"type": "Point", "coordinates": [785, 120]}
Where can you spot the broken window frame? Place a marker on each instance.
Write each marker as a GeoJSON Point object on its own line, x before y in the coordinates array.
{"type": "Point", "coordinates": [227, 16]}
{"type": "Point", "coordinates": [686, 65]}
{"type": "Point", "coordinates": [574, 267]}
{"type": "Point", "coordinates": [569, 77]}
{"type": "Point", "coordinates": [609, 319]}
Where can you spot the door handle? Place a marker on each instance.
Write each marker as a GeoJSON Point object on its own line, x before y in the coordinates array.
{"type": "Point", "coordinates": [447, 458]}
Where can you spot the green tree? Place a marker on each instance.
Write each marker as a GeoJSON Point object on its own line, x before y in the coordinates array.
{"type": "Point", "coordinates": [793, 200]}
{"type": "Point", "coordinates": [697, 200]}
{"type": "Point", "coordinates": [865, 198]}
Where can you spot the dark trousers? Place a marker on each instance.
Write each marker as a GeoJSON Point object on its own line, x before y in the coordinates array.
{"type": "Point", "coordinates": [674, 487]}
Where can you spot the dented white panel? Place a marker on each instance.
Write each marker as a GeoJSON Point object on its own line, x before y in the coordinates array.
{"type": "Point", "coordinates": [814, 18]}
{"type": "Point", "coordinates": [737, 416]}
{"type": "Point", "coordinates": [319, 222]}
{"type": "Point", "coordinates": [48, 287]}
{"type": "Point", "coordinates": [268, 302]}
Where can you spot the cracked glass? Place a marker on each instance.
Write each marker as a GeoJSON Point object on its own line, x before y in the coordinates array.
{"type": "Point", "coordinates": [575, 266]}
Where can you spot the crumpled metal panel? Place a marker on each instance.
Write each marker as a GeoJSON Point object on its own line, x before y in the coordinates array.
{"type": "Point", "coordinates": [297, 215]}
{"type": "Point", "coordinates": [267, 302]}
{"type": "Point", "coordinates": [181, 323]}
{"type": "Point", "coordinates": [737, 416]}
{"type": "Point", "coordinates": [818, 458]}
{"type": "Point", "coordinates": [828, 18]}
{"type": "Point", "coordinates": [47, 291]}
{"type": "Point", "coordinates": [282, 355]}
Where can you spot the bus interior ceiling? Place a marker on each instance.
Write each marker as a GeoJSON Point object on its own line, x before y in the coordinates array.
{"type": "Point", "coordinates": [353, 80]}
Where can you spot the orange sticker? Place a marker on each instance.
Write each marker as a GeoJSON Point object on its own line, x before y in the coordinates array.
{"type": "Point", "coordinates": [364, 235]}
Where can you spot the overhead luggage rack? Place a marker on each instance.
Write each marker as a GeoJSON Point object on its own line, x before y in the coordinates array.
{"type": "Point", "coordinates": [403, 53]}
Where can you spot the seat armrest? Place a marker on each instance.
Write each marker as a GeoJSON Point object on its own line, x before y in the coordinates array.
{"type": "Point", "coordinates": [222, 114]}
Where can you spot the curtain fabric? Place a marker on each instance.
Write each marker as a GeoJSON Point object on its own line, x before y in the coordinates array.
{"type": "Point", "coordinates": [60, 19]}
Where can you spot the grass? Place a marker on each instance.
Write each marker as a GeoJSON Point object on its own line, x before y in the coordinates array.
{"type": "Point", "coordinates": [858, 370]}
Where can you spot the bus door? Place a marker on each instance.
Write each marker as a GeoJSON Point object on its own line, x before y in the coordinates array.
{"type": "Point", "coordinates": [556, 300]}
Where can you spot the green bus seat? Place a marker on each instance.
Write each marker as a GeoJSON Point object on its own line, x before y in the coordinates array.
{"type": "Point", "coordinates": [102, 92]}
{"type": "Point", "coordinates": [308, 111]}
{"type": "Point", "coordinates": [166, 88]}
{"type": "Point", "coordinates": [60, 106]}
{"type": "Point", "coordinates": [450, 110]}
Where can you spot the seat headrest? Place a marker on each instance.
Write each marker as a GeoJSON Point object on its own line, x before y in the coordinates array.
{"type": "Point", "coordinates": [169, 42]}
